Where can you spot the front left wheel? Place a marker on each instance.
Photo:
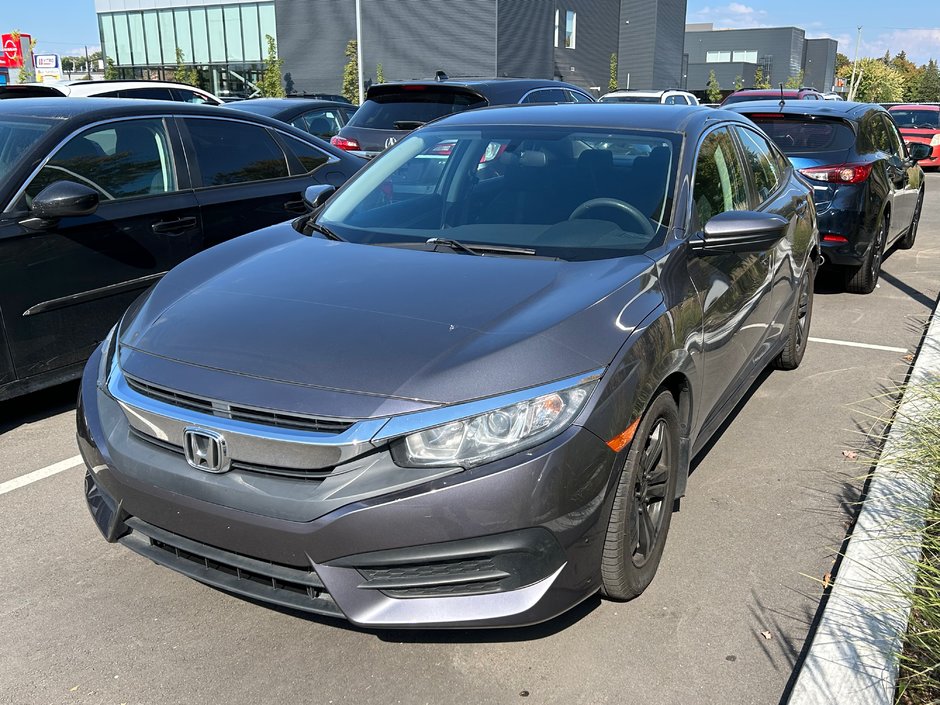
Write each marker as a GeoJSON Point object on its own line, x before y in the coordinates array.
{"type": "Point", "coordinates": [642, 511]}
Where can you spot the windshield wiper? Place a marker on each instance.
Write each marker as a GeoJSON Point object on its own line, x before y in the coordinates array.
{"type": "Point", "coordinates": [325, 232]}
{"type": "Point", "coordinates": [477, 249]}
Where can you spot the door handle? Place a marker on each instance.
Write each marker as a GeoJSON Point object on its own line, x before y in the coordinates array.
{"type": "Point", "coordinates": [174, 227]}
{"type": "Point", "coordinates": [295, 207]}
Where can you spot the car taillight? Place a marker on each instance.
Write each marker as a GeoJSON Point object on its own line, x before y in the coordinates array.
{"type": "Point", "coordinates": [344, 143]}
{"type": "Point", "coordinates": [838, 174]}
{"type": "Point", "coordinates": [935, 140]}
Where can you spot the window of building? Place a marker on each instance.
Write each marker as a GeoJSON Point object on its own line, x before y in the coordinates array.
{"type": "Point", "coordinates": [717, 57]}
{"type": "Point", "coordinates": [557, 14]}
{"type": "Point", "coordinates": [748, 56]}
{"type": "Point", "coordinates": [571, 28]}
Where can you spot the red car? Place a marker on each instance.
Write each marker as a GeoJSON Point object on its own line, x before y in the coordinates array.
{"type": "Point", "coordinates": [920, 123]}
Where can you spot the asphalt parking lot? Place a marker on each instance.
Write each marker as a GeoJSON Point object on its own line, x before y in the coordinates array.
{"type": "Point", "coordinates": [725, 620]}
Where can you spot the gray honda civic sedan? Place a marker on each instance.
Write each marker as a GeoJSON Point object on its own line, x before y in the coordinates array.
{"type": "Point", "coordinates": [465, 390]}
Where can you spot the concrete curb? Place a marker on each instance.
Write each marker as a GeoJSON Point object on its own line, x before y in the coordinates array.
{"type": "Point", "coordinates": [852, 657]}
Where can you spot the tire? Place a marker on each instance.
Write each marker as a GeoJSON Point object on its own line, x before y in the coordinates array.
{"type": "Point", "coordinates": [642, 510]}
{"type": "Point", "coordinates": [798, 324]}
{"type": "Point", "coordinates": [907, 242]}
{"type": "Point", "coordinates": [863, 279]}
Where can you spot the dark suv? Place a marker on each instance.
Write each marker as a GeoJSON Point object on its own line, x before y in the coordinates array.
{"type": "Point", "coordinates": [748, 94]}
{"type": "Point", "coordinates": [392, 110]}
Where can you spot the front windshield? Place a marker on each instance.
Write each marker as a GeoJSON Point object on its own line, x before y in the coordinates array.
{"type": "Point", "coordinates": [917, 118]}
{"type": "Point", "coordinates": [569, 193]}
{"type": "Point", "coordinates": [16, 139]}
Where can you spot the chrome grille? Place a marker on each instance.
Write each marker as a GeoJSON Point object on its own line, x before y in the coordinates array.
{"type": "Point", "coordinates": [277, 419]}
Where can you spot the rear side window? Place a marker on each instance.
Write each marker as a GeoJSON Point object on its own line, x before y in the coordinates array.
{"type": "Point", "coordinates": [155, 93]}
{"type": "Point", "coordinates": [547, 95]}
{"type": "Point", "coordinates": [322, 122]}
{"type": "Point", "coordinates": [719, 179]}
{"type": "Point", "coordinates": [309, 156]}
{"type": "Point", "coordinates": [796, 135]}
{"type": "Point", "coordinates": [409, 109]}
{"type": "Point", "coordinates": [118, 160]}
{"type": "Point", "coordinates": [579, 97]}
{"type": "Point", "coordinates": [184, 95]}
{"type": "Point", "coordinates": [760, 161]}
{"type": "Point", "coordinates": [229, 152]}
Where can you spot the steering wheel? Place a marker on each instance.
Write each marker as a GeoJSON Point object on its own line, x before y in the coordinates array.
{"type": "Point", "coordinates": [630, 210]}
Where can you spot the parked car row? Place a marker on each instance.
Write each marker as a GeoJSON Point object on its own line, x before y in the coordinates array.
{"type": "Point", "coordinates": [461, 387]}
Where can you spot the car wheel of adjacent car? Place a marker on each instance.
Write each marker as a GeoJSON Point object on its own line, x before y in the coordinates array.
{"type": "Point", "coordinates": [798, 325]}
{"type": "Point", "coordinates": [642, 510]}
{"type": "Point", "coordinates": [863, 279]}
{"type": "Point", "coordinates": [907, 242]}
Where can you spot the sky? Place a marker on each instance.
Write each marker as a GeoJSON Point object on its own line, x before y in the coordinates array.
{"type": "Point", "coordinates": [65, 26]}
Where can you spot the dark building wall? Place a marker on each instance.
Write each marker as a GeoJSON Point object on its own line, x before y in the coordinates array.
{"type": "Point", "coordinates": [312, 37]}
{"type": "Point", "coordinates": [650, 43]}
{"type": "Point", "coordinates": [725, 74]}
{"type": "Point", "coordinates": [525, 29]}
{"type": "Point", "coordinates": [779, 47]}
{"type": "Point", "coordinates": [819, 63]}
{"type": "Point", "coordinates": [588, 64]}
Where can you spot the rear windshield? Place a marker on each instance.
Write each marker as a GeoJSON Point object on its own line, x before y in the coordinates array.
{"type": "Point", "coordinates": [629, 99]}
{"type": "Point", "coordinates": [796, 136]}
{"type": "Point", "coordinates": [916, 118]}
{"type": "Point", "coordinates": [16, 139]}
{"type": "Point", "coordinates": [409, 109]}
{"type": "Point", "coordinates": [744, 97]}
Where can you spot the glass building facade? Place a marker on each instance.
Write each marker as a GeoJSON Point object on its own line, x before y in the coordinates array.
{"type": "Point", "coordinates": [224, 41]}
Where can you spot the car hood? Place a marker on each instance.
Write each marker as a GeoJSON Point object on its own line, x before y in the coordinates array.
{"type": "Point", "coordinates": [429, 327]}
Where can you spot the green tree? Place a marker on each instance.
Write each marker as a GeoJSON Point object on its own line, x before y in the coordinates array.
{"type": "Point", "coordinates": [879, 83]}
{"type": "Point", "coordinates": [909, 70]}
{"type": "Point", "coordinates": [351, 72]}
{"type": "Point", "coordinates": [842, 62]}
{"type": "Point", "coordinates": [759, 80]}
{"type": "Point", "coordinates": [68, 64]}
{"type": "Point", "coordinates": [738, 83]}
{"type": "Point", "coordinates": [928, 85]}
{"type": "Point", "coordinates": [795, 81]}
{"type": "Point", "coordinates": [712, 88]}
{"type": "Point", "coordinates": [110, 72]}
{"type": "Point", "coordinates": [379, 74]}
{"type": "Point", "coordinates": [185, 74]}
{"type": "Point", "coordinates": [612, 83]}
{"type": "Point", "coordinates": [271, 84]}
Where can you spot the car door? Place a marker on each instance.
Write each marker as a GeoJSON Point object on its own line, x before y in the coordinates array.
{"type": "Point", "coordinates": [734, 289]}
{"type": "Point", "coordinates": [899, 170]}
{"type": "Point", "coordinates": [244, 178]}
{"type": "Point", "coordinates": [64, 285]}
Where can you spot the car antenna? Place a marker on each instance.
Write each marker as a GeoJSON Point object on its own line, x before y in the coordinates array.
{"type": "Point", "coordinates": [783, 101]}
{"type": "Point", "coordinates": [440, 76]}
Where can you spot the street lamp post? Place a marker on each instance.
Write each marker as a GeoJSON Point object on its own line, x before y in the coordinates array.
{"type": "Point", "coordinates": [362, 96]}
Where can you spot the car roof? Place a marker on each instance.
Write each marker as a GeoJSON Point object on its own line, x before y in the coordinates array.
{"type": "Point", "coordinates": [667, 118]}
{"type": "Point", "coordinates": [821, 108]}
{"type": "Point", "coordinates": [285, 106]}
{"type": "Point", "coordinates": [100, 108]}
{"type": "Point", "coordinates": [491, 88]}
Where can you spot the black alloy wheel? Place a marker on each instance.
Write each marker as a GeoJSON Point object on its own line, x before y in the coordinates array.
{"type": "Point", "coordinates": [864, 278]}
{"type": "Point", "coordinates": [642, 509]}
{"type": "Point", "coordinates": [798, 325]}
{"type": "Point", "coordinates": [907, 242]}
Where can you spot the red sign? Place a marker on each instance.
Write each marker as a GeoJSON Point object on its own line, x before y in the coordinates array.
{"type": "Point", "coordinates": [12, 50]}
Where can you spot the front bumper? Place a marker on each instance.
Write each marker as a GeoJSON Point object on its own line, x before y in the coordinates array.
{"type": "Point", "coordinates": [510, 543]}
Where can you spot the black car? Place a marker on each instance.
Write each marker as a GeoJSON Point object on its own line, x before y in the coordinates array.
{"type": "Point", "coordinates": [101, 197]}
{"type": "Point", "coordinates": [467, 390]}
{"type": "Point", "coordinates": [391, 110]}
{"type": "Point", "coordinates": [321, 118]}
{"type": "Point", "coordinates": [867, 186]}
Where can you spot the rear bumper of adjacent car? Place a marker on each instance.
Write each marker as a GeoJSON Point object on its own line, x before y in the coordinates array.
{"type": "Point", "coordinates": [843, 224]}
{"type": "Point", "coordinates": [515, 542]}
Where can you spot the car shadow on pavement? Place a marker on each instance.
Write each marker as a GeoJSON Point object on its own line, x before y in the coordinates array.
{"type": "Point", "coordinates": [37, 406]}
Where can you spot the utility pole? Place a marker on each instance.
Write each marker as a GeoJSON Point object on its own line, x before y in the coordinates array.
{"type": "Point", "coordinates": [87, 63]}
{"type": "Point", "coordinates": [362, 96]}
{"type": "Point", "coordinates": [858, 38]}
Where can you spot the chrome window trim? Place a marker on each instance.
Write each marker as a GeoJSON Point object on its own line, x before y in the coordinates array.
{"type": "Point", "coordinates": [420, 420]}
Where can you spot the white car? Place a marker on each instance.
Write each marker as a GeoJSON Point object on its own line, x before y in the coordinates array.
{"type": "Point", "coordinates": [639, 96]}
{"type": "Point", "coordinates": [147, 90]}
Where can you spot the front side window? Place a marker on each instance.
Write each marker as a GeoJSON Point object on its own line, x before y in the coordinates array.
{"type": "Point", "coordinates": [894, 138]}
{"type": "Point", "coordinates": [118, 160]}
{"type": "Point", "coordinates": [322, 123]}
{"type": "Point", "coordinates": [309, 156]}
{"type": "Point", "coordinates": [571, 29]}
{"type": "Point", "coordinates": [719, 179]}
{"type": "Point", "coordinates": [229, 152]}
{"type": "Point", "coordinates": [16, 140]}
{"type": "Point", "coordinates": [759, 159]}
{"type": "Point", "coordinates": [564, 192]}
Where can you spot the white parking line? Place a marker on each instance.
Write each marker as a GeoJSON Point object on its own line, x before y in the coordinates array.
{"type": "Point", "coordinates": [31, 477]}
{"type": "Point", "coordinates": [868, 346]}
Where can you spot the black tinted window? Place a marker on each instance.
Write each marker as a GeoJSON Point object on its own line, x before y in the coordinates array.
{"type": "Point", "coordinates": [232, 152]}
{"type": "Point", "coordinates": [119, 160]}
{"type": "Point", "coordinates": [546, 95]}
{"type": "Point", "coordinates": [146, 93]}
{"type": "Point", "coordinates": [917, 118]}
{"type": "Point", "coordinates": [579, 97]}
{"type": "Point", "coordinates": [409, 109]}
{"type": "Point", "coordinates": [761, 162]}
{"type": "Point", "coordinates": [187, 96]}
{"type": "Point", "coordinates": [311, 157]}
{"type": "Point", "coordinates": [795, 135]}
{"type": "Point", "coordinates": [323, 122]}
{"type": "Point", "coordinates": [719, 179]}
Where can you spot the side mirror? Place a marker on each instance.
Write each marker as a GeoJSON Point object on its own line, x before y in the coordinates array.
{"type": "Point", "coordinates": [318, 194]}
{"type": "Point", "coordinates": [64, 199]}
{"type": "Point", "coordinates": [740, 232]}
{"type": "Point", "coordinates": [918, 151]}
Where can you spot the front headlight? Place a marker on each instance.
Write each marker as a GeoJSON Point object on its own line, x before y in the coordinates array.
{"type": "Point", "coordinates": [108, 346]}
{"type": "Point", "coordinates": [935, 140]}
{"type": "Point", "coordinates": [494, 434]}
